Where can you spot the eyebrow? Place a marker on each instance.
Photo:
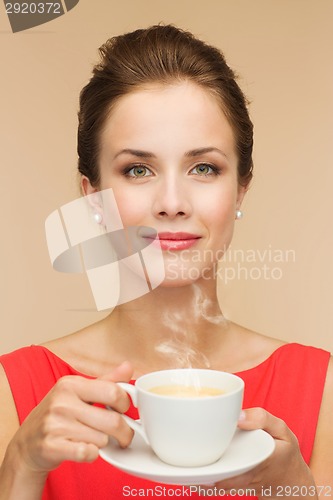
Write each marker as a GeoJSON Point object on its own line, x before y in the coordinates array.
{"type": "Point", "coordinates": [191, 154]}
{"type": "Point", "coordinates": [135, 152]}
{"type": "Point", "coordinates": [200, 151]}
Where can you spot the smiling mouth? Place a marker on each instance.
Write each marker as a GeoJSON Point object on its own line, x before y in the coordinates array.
{"type": "Point", "coordinates": [174, 241]}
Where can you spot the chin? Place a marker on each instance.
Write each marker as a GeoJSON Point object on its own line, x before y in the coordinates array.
{"type": "Point", "coordinates": [173, 279]}
{"type": "Point", "coordinates": [172, 283]}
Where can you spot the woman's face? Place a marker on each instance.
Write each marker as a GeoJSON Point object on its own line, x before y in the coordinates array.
{"type": "Point", "coordinates": [168, 153]}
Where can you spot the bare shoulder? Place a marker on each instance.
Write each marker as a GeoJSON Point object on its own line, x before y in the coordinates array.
{"type": "Point", "coordinates": [322, 455]}
{"type": "Point", "coordinates": [263, 343]}
{"type": "Point", "coordinates": [256, 346]}
{"type": "Point", "coordinates": [9, 422]}
{"type": "Point", "coordinates": [83, 350]}
{"type": "Point", "coordinates": [256, 338]}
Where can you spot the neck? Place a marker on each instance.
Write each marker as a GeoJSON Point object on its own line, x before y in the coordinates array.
{"type": "Point", "coordinates": [178, 324]}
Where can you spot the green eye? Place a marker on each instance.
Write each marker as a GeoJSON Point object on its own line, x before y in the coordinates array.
{"type": "Point", "coordinates": [138, 171]}
{"type": "Point", "coordinates": [203, 169]}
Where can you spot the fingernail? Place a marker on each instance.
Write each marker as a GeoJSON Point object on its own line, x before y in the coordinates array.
{"type": "Point", "coordinates": [242, 416]}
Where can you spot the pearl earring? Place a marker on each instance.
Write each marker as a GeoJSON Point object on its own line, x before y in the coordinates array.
{"type": "Point", "coordinates": [239, 214]}
{"type": "Point", "coordinates": [97, 218]}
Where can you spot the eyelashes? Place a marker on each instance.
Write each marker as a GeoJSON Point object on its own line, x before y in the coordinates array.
{"type": "Point", "coordinates": [137, 172]}
{"type": "Point", "coordinates": [206, 169]}
{"type": "Point", "coordinates": [202, 169]}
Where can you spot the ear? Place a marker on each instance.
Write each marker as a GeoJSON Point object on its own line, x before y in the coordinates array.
{"type": "Point", "coordinates": [93, 197]}
{"type": "Point", "coordinates": [86, 186]}
{"type": "Point", "coordinates": [240, 195]}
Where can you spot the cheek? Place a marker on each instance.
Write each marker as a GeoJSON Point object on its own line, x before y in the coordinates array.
{"type": "Point", "coordinates": [219, 219]}
{"type": "Point", "coordinates": [218, 209]}
{"type": "Point", "coordinates": [221, 230]}
{"type": "Point", "coordinates": [132, 209]}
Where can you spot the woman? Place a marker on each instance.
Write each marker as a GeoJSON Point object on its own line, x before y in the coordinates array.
{"type": "Point", "coordinates": [163, 123]}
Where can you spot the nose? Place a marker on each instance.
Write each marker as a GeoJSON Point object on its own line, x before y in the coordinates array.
{"type": "Point", "coordinates": [172, 200]}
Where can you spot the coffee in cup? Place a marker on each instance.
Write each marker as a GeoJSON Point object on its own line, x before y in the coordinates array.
{"type": "Point", "coordinates": [185, 391]}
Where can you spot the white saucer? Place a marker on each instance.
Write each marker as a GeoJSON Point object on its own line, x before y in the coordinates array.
{"type": "Point", "coordinates": [247, 449]}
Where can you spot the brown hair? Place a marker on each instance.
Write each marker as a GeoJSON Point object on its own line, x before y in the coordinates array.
{"type": "Point", "coordinates": [159, 54]}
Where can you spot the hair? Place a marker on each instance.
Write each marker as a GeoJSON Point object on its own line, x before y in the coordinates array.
{"type": "Point", "coordinates": [161, 54]}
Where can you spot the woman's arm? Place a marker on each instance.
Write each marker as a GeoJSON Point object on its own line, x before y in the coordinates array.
{"type": "Point", "coordinates": [284, 471]}
{"type": "Point", "coordinates": [16, 481]}
{"type": "Point", "coordinates": [64, 426]}
{"type": "Point", "coordinates": [12, 483]}
{"type": "Point", "coordinates": [322, 456]}
{"type": "Point", "coordinates": [285, 474]}
{"type": "Point", "coordinates": [9, 422]}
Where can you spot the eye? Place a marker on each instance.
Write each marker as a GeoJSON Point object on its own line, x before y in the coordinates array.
{"type": "Point", "coordinates": [138, 171]}
{"type": "Point", "coordinates": [205, 169]}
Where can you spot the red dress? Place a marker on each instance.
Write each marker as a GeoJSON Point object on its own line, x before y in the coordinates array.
{"type": "Point", "coordinates": [289, 384]}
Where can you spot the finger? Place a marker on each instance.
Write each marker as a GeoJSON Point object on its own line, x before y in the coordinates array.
{"type": "Point", "coordinates": [239, 482]}
{"type": "Point", "coordinates": [74, 451]}
{"type": "Point", "coordinates": [81, 433]}
{"type": "Point", "coordinates": [258, 418]}
{"type": "Point", "coordinates": [107, 423]}
{"type": "Point", "coordinates": [93, 391]}
{"type": "Point", "coordinates": [121, 373]}
{"type": "Point", "coordinates": [85, 452]}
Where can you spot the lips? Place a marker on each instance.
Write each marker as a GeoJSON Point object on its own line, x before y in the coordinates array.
{"type": "Point", "coordinates": [175, 241]}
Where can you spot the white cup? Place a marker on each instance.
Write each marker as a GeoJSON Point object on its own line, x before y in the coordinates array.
{"type": "Point", "coordinates": [187, 430]}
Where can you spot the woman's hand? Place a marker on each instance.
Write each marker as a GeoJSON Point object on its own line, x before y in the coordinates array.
{"type": "Point", "coordinates": [66, 426]}
{"type": "Point", "coordinates": [285, 467]}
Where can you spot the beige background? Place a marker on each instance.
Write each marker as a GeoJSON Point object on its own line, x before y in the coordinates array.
{"type": "Point", "coordinates": [283, 51]}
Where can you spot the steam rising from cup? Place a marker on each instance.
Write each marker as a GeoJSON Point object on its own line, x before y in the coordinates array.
{"type": "Point", "coordinates": [179, 347]}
